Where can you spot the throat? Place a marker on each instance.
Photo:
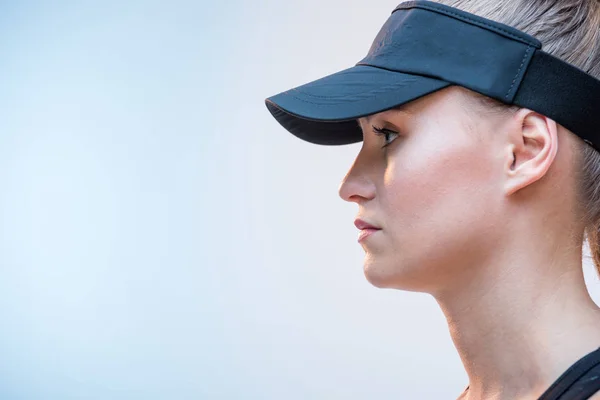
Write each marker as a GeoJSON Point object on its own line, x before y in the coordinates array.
{"type": "Point", "coordinates": [516, 347]}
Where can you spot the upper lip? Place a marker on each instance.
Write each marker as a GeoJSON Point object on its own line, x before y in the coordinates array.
{"type": "Point", "coordinates": [360, 224]}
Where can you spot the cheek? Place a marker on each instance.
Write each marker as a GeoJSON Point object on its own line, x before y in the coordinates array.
{"type": "Point", "coordinates": [439, 192]}
{"type": "Point", "coordinates": [438, 209]}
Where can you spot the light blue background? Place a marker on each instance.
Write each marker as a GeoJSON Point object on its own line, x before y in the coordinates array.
{"type": "Point", "coordinates": [162, 237]}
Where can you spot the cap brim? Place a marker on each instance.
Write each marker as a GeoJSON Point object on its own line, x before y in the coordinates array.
{"type": "Point", "coordinates": [325, 111]}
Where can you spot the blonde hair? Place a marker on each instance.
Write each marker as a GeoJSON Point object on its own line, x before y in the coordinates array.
{"type": "Point", "coordinates": [569, 30]}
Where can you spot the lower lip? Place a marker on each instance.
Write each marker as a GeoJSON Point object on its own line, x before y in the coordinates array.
{"type": "Point", "coordinates": [365, 233]}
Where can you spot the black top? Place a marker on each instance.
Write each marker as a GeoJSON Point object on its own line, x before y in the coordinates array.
{"type": "Point", "coordinates": [579, 382]}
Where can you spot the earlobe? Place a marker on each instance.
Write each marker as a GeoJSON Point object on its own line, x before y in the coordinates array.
{"type": "Point", "coordinates": [533, 144]}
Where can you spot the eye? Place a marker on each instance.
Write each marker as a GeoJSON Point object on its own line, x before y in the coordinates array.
{"type": "Point", "coordinates": [387, 133]}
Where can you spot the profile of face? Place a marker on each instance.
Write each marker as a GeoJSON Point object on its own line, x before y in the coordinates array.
{"type": "Point", "coordinates": [433, 176]}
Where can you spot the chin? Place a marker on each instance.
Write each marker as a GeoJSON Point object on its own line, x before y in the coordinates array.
{"type": "Point", "coordinates": [379, 275]}
{"type": "Point", "coordinates": [376, 280]}
{"type": "Point", "coordinates": [393, 276]}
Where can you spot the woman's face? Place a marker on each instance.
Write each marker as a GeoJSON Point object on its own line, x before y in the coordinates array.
{"type": "Point", "coordinates": [435, 190]}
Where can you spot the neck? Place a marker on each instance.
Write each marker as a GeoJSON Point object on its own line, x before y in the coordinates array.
{"type": "Point", "coordinates": [522, 321]}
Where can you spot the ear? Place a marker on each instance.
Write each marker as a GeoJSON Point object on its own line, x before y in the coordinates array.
{"type": "Point", "coordinates": [532, 147]}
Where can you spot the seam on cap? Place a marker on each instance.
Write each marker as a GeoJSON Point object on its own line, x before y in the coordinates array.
{"type": "Point", "coordinates": [270, 103]}
{"type": "Point", "coordinates": [363, 95]}
{"type": "Point", "coordinates": [518, 71]}
{"type": "Point", "coordinates": [465, 18]}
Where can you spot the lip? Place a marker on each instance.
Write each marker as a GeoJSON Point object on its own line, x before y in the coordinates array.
{"type": "Point", "coordinates": [360, 224]}
{"type": "Point", "coordinates": [365, 233]}
{"type": "Point", "coordinates": [366, 229]}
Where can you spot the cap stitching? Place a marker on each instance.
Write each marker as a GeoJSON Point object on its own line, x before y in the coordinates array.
{"type": "Point", "coordinates": [379, 89]}
{"type": "Point", "coordinates": [518, 71]}
{"type": "Point", "coordinates": [348, 101]}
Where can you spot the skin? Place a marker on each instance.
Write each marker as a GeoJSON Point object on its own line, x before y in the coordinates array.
{"type": "Point", "coordinates": [477, 207]}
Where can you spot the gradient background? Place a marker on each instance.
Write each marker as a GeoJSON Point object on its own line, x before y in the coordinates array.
{"type": "Point", "coordinates": [162, 237]}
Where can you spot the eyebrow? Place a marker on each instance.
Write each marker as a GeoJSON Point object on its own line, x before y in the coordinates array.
{"type": "Point", "coordinates": [400, 109]}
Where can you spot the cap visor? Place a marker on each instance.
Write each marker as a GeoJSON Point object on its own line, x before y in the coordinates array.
{"type": "Point", "coordinates": [325, 111]}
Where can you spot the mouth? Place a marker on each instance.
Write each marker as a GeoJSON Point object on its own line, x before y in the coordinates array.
{"type": "Point", "coordinates": [366, 229]}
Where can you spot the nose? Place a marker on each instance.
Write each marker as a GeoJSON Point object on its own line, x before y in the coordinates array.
{"type": "Point", "coordinates": [358, 186]}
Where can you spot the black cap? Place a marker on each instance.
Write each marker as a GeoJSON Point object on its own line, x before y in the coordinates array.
{"type": "Point", "coordinates": [424, 47]}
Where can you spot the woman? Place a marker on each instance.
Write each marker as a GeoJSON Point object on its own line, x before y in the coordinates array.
{"type": "Point", "coordinates": [478, 179]}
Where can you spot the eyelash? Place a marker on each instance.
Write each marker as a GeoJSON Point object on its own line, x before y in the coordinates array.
{"type": "Point", "coordinates": [385, 132]}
